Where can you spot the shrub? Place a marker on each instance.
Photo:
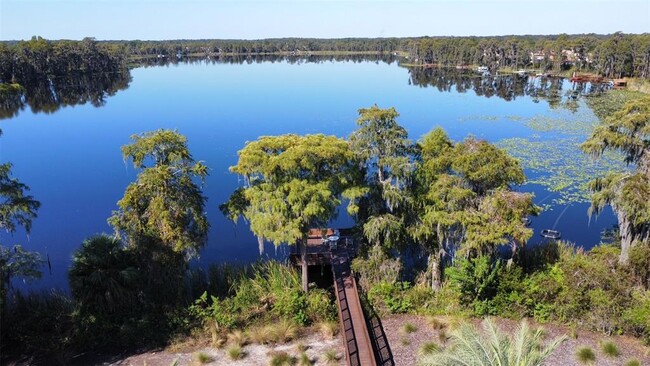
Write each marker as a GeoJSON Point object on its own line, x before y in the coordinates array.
{"type": "Point", "coordinates": [328, 329]}
{"type": "Point", "coordinates": [304, 360]}
{"type": "Point", "coordinates": [320, 306]}
{"type": "Point", "coordinates": [203, 358]}
{"type": "Point", "coordinates": [282, 359]}
{"type": "Point", "coordinates": [236, 353]}
{"type": "Point", "coordinates": [477, 280]}
{"type": "Point", "coordinates": [586, 355]}
{"type": "Point", "coordinates": [610, 349]}
{"type": "Point", "coordinates": [389, 297]}
{"type": "Point", "coordinates": [409, 328]}
{"type": "Point", "coordinates": [376, 268]}
{"type": "Point", "coordinates": [429, 348]}
{"type": "Point", "coordinates": [261, 334]}
{"type": "Point", "coordinates": [633, 362]}
{"type": "Point", "coordinates": [331, 357]}
{"type": "Point", "coordinates": [637, 316]}
{"type": "Point", "coordinates": [301, 347]}
{"type": "Point", "coordinates": [237, 338]}
{"type": "Point", "coordinates": [283, 331]}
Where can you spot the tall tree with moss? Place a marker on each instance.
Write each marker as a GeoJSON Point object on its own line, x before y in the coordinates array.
{"type": "Point", "coordinates": [465, 200]}
{"type": "Point", "coordinates": [17, 209]}
{"type": "Point", "coordinates": [628, 131]}
{"type": "Point", "coordinates": [165, 203]}
{"type": "Point", "coordinates": [293, 183]}
{"type": "Point", "coordinates": [385, 153]}
{"type": "Point", "coordinates": [161, 217]}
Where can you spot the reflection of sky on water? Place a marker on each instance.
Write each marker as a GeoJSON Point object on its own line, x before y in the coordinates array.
{"type": "Point", "coordinates": [71, 159]}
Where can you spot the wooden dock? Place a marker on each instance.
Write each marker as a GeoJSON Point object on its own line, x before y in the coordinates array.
{"type": "Point", "coordinates": [362, 348]}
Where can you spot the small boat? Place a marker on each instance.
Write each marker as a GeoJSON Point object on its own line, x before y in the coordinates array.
{"type": "Point", "coordinates": [526, 221]}
{"type": "Point", "coordinates": [483, 69]}
{"type": "Point", "coordinates": [551, 234]}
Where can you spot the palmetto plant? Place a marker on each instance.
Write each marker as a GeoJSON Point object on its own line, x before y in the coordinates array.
{"type": "Point", "coordinates": [489, 346]}
{"type": "Point", "coordinates": [103, 277]}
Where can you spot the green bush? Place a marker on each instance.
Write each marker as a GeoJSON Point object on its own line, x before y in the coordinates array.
{"type": "Point", "coordinates": [477, 280]}
{"type": "Point", "coordinates": [320, 306]}
{"type": "Point", "coordinates": [390, 297]}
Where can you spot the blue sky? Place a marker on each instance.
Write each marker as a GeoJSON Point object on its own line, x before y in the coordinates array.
{"type": "Point", "coordinates": [243, 19]}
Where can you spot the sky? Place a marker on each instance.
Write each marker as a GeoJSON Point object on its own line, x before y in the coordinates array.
{"type": "Point", "coordinates": [244, 19]}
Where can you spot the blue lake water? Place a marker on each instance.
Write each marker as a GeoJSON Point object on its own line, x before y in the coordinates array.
{"type": "Point", "coordinates": [71, 158]}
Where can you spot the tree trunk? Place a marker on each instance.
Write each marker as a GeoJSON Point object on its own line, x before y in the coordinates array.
{"type": "Point", "coordinates": [436, 269]}
{"type": "Point", "coordinates": [625, 231]}
{"type": "Point", "coordinates": [303, 259]}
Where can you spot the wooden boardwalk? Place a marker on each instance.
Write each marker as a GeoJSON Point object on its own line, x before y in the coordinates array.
{"type": "Point", "coordinates": [359, 351]}
{"type": "Point", "coordinates": [362, 348]}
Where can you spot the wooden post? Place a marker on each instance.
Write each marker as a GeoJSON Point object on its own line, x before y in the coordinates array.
{"type": "Point", "coordinates": [303, 259]}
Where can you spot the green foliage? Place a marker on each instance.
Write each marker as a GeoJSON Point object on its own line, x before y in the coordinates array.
{"type": "Point", "coordinates": [627, 130]}
{"type": "Point", "coordinates": [477, 280]}
{"type": "Point", "coordinates": [104, 278]}
{"type": "Point", "coordinates": [17, 262]}
{"type": "Point", "coordinates": [637, 316]}
{"type": "Point", "coordinates": [469, 346]}
{"type": "Point", "coordinates": [292, 183]}
{"type": "Point", "coordinates": [586, 355]}
{"type": "Point", "coordinates": [376, 267]}
{"type": "Point", "coordinates": [633, 362]}
{"type": "Point", "coordinates": [282, 359]}
{"type": "Point", "coordinates": [235, 353]}
{"type": "Point", "coordinates": [610, 349]}
{"type": "Point", "coordinates": [204, 358]}
{"type": "Point", "coordinates": [331, 357]}
{"type": "Point", "coordinates": [640, 264]}
{"type": "Point", "coordinates": [429, 348]}
{"type": "Point", "coordinates": [271, 291]}
{"type": "Point", "coordinates": [16, 207]}
{"type": "Point", "coordinates": [390, 297]}
{"type": "Point", "coordinates": [42, 325]}
{"type": "Point", "coordinates": [486, 167]}
{"type": "Point", "coordinates": [304, 360]}
{"type": "Point", "coordinates": [409, 328]}
{"type": "Point", "coordinates": [164, 204]}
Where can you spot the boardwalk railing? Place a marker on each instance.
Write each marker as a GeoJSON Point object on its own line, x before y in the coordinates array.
{"type": "Point", "coordinates": [359, 350]}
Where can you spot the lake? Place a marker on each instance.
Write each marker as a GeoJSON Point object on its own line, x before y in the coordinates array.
{"type": "Point", "coordinates": [70, 156]}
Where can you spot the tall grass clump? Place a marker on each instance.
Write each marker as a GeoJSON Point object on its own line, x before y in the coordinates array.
{"type": "Point", "coordinates": [610, 349]}
{"type": "Point", "coordinates": [282, 359]}
{"type": "Point", "coordinates": [235, 353]}
{"type": "Point", "coordinates": [203, 358]}
{"type": "Point", "coordinates": [586, 355]}
{"type": "Point", "coordinates": [331, 357]}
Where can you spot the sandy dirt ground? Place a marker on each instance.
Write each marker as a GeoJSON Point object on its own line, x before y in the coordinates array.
{"type": "Point", "coordinates": [406, 346]}
{"type": "Point", "coordinates": [254, 354]}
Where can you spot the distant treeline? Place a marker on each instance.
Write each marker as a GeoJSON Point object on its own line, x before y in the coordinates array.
{"type": "Point", "coordinates": [38, 59]}
{"type": "Point", "coordinates": [615, 55]}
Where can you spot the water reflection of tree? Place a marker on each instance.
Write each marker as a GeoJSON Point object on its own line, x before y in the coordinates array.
{"type": "Point", "coordinates": [47, 95]}
{"type": "Point", "coordinates": [256, 59]}
{"type": "Point", "coordinates": [507, 87]}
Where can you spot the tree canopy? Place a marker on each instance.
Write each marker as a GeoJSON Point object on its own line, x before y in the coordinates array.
{"type": "Point", "coordinates": [293, 183]}
{"type": "Point", "coordinates": [165, 203]}
{"type": "Point", "coordinates": [628, 131]}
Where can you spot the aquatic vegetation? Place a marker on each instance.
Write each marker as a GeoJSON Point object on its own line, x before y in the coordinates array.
{"type": "Point", "coordinates": [560, 166]}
